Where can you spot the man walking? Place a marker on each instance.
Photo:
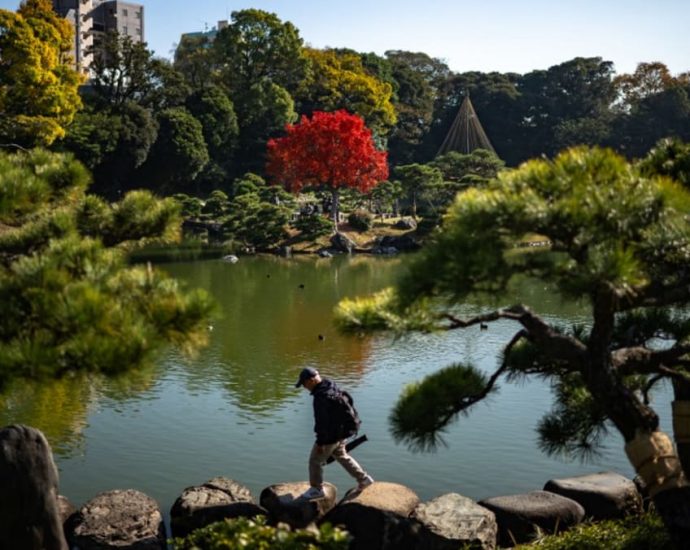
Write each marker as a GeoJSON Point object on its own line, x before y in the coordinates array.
{"type": "Point", "coordinates": [330, 439]}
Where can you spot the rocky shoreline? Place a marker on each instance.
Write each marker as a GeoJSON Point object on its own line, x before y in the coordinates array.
{"type": "Point", "coordinates": [384, 515]}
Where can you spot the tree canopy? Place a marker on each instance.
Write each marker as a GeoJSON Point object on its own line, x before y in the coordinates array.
{"type": "Point", "coordinates": [615, 236]}
{"type": "Point", "coordinates": [38, 89]}
{"type": "Point", "coordinates": [332, 150]}
{"type": "Point", "coordinates": [70, 302]}
{"type": "Point", "coordinates": [339, 80]}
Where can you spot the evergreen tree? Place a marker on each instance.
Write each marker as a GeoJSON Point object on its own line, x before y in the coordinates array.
{"type": "Point", "coordinates": [617, 237]}
{"type": "Point", "coordinates": [70, 302]}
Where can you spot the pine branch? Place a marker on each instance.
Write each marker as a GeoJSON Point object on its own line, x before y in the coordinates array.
{"type": "Point", "coordinates": [640, 360]}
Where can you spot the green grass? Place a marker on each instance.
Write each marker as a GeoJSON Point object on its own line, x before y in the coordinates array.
{"type": "Point", "coordinates": [633, 533]}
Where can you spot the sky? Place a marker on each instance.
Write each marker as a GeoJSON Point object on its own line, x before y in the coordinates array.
{"type": "Point", "coordinates": [491, 35]}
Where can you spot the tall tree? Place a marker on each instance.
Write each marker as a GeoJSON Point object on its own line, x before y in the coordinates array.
{"type": "Point", "coordinates": [179, 154]}
{"type": "Point", "coordinates": [216, 113]}
{"type": "Point", "coordinates": [125, 71]}
{"type": "Point", "coordinates": [38, 89]}
{"type": "Point", "coordinates": [70, 302]}
{"type": "Point", "coordinates": [648, 79]}
{"type": "Point", "coordinates": [113, 143]}
{"type": "Point", "coordinates": [564, 100]}
{"type": "Point", "coordinates": [258, 46]}
{"type": "Point", "coordinates": [194, 59]}
{"type": "Point", "coordinates": [416, 179]}
{"type": "Point", "coordinates": [330, 150]}
{"type": "Point", "coordinates": [338, 80]}
{"type": "Point", "coordinates": [618, 238]}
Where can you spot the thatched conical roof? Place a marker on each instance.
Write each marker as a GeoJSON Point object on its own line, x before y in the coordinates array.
{"type": "Point", "coordinates": [466, 133]}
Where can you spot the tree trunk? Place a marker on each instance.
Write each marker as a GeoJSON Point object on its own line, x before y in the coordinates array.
{"type": "Point", "coordinates": [414, 205]}
{"type": "Point", "coordinates": [656, 462]}
{"type": "Point", "coordinates": [335, 208]}
{"type": "Point", "coordinates": [681, 422]}
{"type": "Point", "coordinates": [650, 451]}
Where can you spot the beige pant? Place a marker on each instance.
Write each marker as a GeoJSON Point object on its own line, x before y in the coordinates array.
{"type": "Point", "coordinates": [319, 455]}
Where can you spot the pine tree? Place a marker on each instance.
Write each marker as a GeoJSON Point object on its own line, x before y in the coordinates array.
{"type": "Point", "coordinates": [70, 302]}
{"type": "Point", "coordinates": [617, 237]}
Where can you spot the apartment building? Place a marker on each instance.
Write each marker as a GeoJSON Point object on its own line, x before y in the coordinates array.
{"type": "Point", "coordinates": [93, 18]}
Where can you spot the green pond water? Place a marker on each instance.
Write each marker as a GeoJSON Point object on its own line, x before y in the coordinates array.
{"type": "Point", "coordinates": [233, 410]}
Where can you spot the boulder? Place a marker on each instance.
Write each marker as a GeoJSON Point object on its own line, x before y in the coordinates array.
{"type": "Point", "coordinates": [453, 521]}
{"type": "Point", "coordinates": [343, 243]}
{"type": "Point", "coordinates": [605, 495]}
{"type": "Point", "coordinates": [406, 223]}
{"type": "Point", "coordinates": [231, 259]}
{"type": "Point", "coordinates": [215, 500]}
{"type": "Point", "coordinates": [385, 250]}
{"type": "Point", "coordinates": [284, 504]}
{"type": "Point", "coordinates": [324, 253]}
{"type": "Point", "coordinates": [403, 242]}
{"type": "Point", "coordinates": [519, 516]}
{"type": "Point", "coordinates": [378, 516]}
{"type": "Point", "coordinates": [29, 515]}
{"type": "Point", "coordinates": [68, 513]}
{"type": "Point", "coordinates": [120, 519]}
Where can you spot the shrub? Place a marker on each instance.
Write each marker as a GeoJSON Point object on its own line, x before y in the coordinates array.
{"type": "Point", "coordinates": [427, 224]}
{"type": "Point", "coordinates": [191, 206]}
{"type": "Point", "coordinates": [313, 226]}
{"type": "Point", "coordinates": [632, 533]}
{"type": "Point", "coordinates": [216, 205]}
{"type": "Point", "coordinates": [361, 220]}
{"type": "Point", "coordinates": [256, 535]}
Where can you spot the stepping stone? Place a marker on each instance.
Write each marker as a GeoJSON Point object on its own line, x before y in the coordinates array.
{"type": "Point", "coordinates": [284, 504]}
{"type": "Point", "coordinates": [453, 521]}
{"type": "Point", "coordinates": [606, 495]}
{"type": "Point", "coordinates": [378, 516]}
{"type": "Point", "coordinates": [120, 519]}
{"type": "Point", "coordinates": [519, 516]}
{"type": "Point", "coordinates": [217, 499]}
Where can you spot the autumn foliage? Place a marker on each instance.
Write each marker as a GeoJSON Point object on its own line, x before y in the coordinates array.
{"type": "Point", "coordinates": [333, 150]}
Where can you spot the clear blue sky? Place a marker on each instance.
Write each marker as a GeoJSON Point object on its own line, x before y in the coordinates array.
{"type": "Point", "coordinates": [491, 35]}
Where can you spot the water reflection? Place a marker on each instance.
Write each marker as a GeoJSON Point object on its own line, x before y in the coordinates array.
{"type": "Point", "coordinates": [60, 408]}
{"type": "Point", "coordinates": [277, 319]}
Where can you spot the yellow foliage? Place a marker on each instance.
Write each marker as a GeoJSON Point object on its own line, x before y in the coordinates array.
{"type": "Point", "coordinates": [38, 91]}
{"type": "Point", "coordinates": [340, 81]}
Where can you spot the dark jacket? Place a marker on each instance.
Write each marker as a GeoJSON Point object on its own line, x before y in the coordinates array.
{"type": "Point", "coordinates": [325, 422]}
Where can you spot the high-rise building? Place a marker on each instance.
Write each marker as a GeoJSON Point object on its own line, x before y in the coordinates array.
{"type": "Point", "coordinates": [92, 18]}
{"type": "Point", "coordinates": [78, 13]}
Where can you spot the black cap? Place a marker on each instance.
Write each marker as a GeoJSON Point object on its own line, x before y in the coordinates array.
{"type": "Point", "coordinates": [305, 375]}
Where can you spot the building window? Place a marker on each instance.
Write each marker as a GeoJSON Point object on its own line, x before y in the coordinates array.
{"type": "Point", "coordinates": [124, 30]}
{"type": "Point", "coordinates": [138, 32]}
{"type": "Point", "coordinates": [124, 12]}
{"type": "Point", "coordinates": [138, 14]}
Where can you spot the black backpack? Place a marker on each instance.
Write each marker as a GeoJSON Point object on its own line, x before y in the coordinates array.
{"type": "Point", "coordinates": [346, 420]}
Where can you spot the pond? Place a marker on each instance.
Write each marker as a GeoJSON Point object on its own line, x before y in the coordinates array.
{"type": "Point", "coordinates": [233, 410]}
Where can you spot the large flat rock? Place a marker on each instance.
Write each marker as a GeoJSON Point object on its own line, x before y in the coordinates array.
{"type": "Point", "coordinates": [605, 495]}
{"type": "Point", "coordinates": [378, 516]}
{"type": "Point", "coordinates": [283, 503]}
{"type": "Point", "coordinates": [452, 521]}
{"type": "Point", "coordinates": [217, 499]}
{"type": "Point", "coordinates": [119, 520]}
{"type": "Point", "coordinates": [518, 516]}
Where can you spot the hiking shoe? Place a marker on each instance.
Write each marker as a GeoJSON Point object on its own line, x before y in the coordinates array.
{"type": "Point", "coordinates": [313, 493]}
{"type": "Point", "coordinates": [365, 483]}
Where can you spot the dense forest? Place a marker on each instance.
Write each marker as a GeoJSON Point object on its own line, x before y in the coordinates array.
{"type": "Point", "coordinates": [196, 124]}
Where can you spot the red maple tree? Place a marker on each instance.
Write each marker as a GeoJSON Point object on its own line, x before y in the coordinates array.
{"type": "Point", "coordinates": [331, 150]}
